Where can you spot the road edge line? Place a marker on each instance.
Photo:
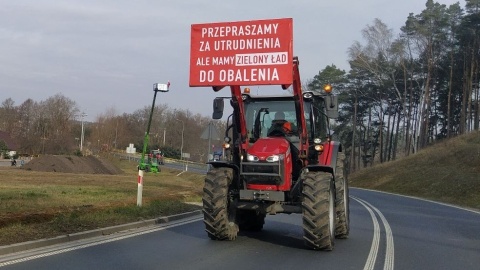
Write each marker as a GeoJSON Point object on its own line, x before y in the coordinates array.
{"type": "Point", "coordinates": [29, 245]}
{"type": "Point", "coordinates": [422, 199]}
{"type": "Point", "coordinates": [372, 255]}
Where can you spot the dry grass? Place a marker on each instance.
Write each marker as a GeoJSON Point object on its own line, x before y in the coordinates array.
{"type": "Point", "coordinates": [448, 171]}
{"type": "Point", "coordinates": [37, 205]}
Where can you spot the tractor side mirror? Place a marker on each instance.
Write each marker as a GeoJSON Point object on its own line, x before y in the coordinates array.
{"type": "Point", "coordinates": [218, 105]}
{"type": "Point", "coordinates": [332, 106]}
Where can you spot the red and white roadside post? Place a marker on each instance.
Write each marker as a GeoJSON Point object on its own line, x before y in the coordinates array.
{"type": "Point", "coordinates": [140, 188]}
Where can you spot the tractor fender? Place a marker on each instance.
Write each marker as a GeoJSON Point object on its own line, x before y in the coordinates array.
{"type": "Point", "coordinates": [223, 164]}
{"type": "Point", "coordinates": [220, 164]}
{"type": "Point", "coordinates": [334, 148]}
{"type": "Point", "coordinates": [320, 168]}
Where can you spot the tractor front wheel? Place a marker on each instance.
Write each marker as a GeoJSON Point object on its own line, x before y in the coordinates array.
{"type": "Point", "coordinates": [218, 209]}
{"type": "Point", "coordinates": [318, 209]}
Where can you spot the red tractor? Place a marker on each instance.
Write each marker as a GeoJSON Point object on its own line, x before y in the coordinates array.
{"type": "Point", "coordinates": [280, 158]}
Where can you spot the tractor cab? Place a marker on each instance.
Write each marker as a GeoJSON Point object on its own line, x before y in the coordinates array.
{"type": "Point", "coordinates": [279, 117]}
{"type": "Point", "coordinates": [271, 117]}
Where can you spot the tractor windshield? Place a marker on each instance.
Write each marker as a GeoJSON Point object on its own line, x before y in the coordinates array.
{"type": "Point", "coordinates": [266, 118]}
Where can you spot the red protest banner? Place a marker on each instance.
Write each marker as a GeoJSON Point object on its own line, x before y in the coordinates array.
{"type": "Point", "coordinates": [242, 53]}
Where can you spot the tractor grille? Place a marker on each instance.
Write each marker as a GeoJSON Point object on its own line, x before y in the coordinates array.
{"type": "Point", "coordinates": [262, 173]}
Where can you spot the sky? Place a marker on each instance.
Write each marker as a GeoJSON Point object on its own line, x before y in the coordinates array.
{"type": "Point", "coordinates": [106, 55]}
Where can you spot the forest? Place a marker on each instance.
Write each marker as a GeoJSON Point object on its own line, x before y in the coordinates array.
{"type": "Point", "coordinates": [407, 91]}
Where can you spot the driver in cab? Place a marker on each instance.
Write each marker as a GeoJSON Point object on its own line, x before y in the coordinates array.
{"type": "Point", "coordinates": [280, 126]}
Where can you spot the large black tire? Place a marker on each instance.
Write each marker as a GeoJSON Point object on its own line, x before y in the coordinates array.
{"type": "Point", "coordinates": [318, 208]}
{"type": "Point", "coordinates": [218, 212]}
{"type": "Point", "coordinates": [250, 220]}
{"type": "Point", "coordinates": [342, 202]}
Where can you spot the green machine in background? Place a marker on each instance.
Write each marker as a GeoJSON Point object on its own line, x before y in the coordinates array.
{"type": "Point", "coordinates": [153, 161]}
{"type": "Point", "coordinates": [155, 157]}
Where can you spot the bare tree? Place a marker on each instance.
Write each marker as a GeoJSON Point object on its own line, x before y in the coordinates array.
{"type": "Point", "coordinates": [56, 115]}
{"type": "Point", "coordinates": [380, 57]}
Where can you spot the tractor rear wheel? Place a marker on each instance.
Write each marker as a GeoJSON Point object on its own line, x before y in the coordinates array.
{"type": "Point", "coordinates": [318, 209]}
{"type": "Point", "coordinates": [218, 210]}
{"type": "Point", "coordinates": [250, 220]}
{"type": "Point", "coordinates": [342, 201]}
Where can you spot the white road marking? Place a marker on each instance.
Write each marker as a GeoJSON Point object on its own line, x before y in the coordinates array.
{"type": "Point", "coordinates": [390, 248]}
{"type": "Point", "coordinates": [422, 199]}
{"type": "Point", "coordinates": [99, 242]}
{"type": "Point", "coordinates": [372, 256]}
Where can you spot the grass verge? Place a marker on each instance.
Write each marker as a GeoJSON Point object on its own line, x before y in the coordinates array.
{"type": "Point", "coordinates": [448, 172]}
{"type": "Point", "coordinates": [36, 205]}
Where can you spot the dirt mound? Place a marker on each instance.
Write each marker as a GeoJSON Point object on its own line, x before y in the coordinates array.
{"type": "Point", "coordinates": [72, 164]}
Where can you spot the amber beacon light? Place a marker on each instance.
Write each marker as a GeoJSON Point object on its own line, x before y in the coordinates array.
{"type": "Point", "coordinates": [328, 88]}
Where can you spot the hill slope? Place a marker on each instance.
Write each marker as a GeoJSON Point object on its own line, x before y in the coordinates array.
{"type": "Point", "coordinates": [448, 171]}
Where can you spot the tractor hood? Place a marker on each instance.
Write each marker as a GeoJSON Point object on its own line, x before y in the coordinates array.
{"type": "Point", "coordinates": [266, 147]}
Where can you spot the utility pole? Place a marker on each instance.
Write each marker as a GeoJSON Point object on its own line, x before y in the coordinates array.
{"type": "Point", "coordinates": [83, 132]}
{"type": "Point", "coordinates": [181, 147]}
{"type": "Point", "coordinates": [183, 130]}
{"type": "Point", "coordinates": [164, 133]}
{"type": "Point", "coordinates": [209, 143]}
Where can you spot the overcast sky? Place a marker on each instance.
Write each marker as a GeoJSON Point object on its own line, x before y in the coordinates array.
{"type": "Point", "coordinates": [107, 54]}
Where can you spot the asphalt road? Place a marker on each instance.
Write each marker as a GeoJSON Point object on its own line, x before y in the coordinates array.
{"type": "Point", "coordinates": [201, 169]}
{"type": "Point", "coordinates": [387, 232]}
{"type": "Point", "coordinates": [171, 163]}
{"type": "Point", "coordinates": [5, 163]}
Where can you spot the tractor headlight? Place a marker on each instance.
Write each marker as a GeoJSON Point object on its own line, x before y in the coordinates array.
{"type": "Point", "coordinates": [252, 158]}
{"type": "Point", "coordinates": [318, 146]}
{"type": "Point", "coordinates": [274, 158]}
{"type": "Point", "coordinates": [307, 95]}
